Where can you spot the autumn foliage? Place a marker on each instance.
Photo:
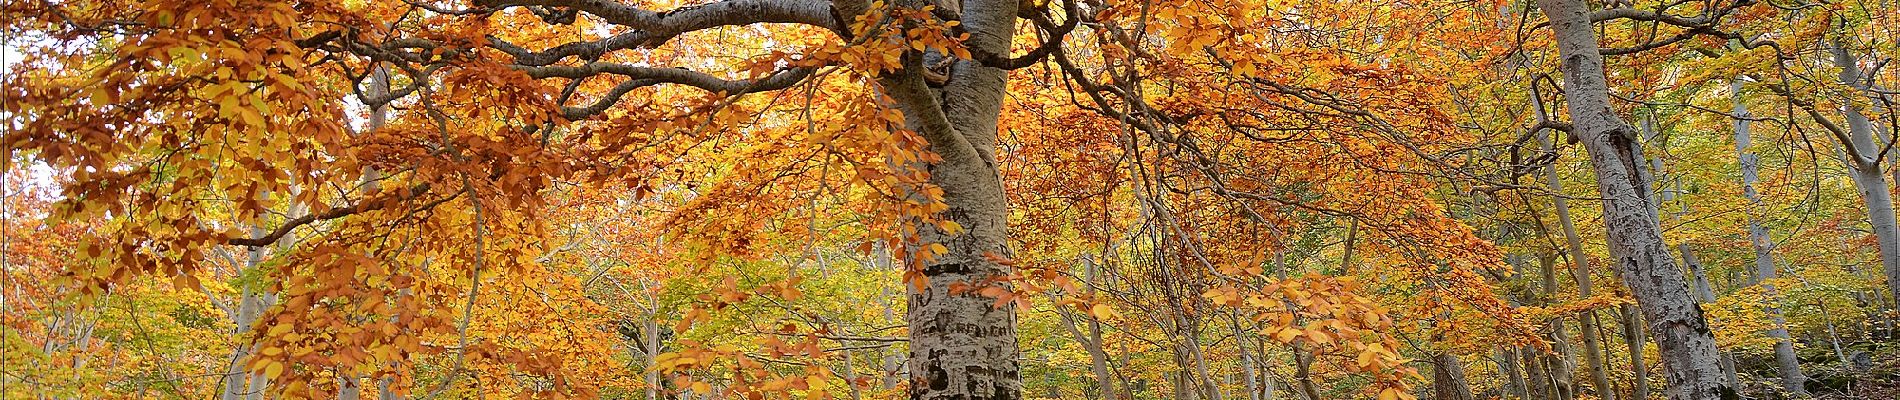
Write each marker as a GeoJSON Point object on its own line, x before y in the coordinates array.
{"type": "Point", "coordinates": [931, 199]}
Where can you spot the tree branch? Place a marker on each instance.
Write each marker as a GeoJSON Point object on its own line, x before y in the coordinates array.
{"type": "Point", "coordinates": [334, 213]}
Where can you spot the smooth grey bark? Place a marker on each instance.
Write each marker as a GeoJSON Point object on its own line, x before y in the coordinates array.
{"type": "Point", "coordinates": [650, 335]}
{"type": "Point", "coordinates": [1580, 269]}
{"type": "Point", "coordinates": [249, 305]}
{"type": "Point", "coordinates": [1792, 380]}
{"type": "Point", "coordinates": [1633, 338]}
{"type": "Point", "coordinates": [1633, 230]}
{"type": "Point", "coordinates": [1561, 367]}
{"type": "Point", "coordinates": [1250, 381]}
{"type": "Point", "coordinates": [1833, 338]}
{"type": "Point", "coordinates": [1092, 341]}
{"type": "Point", "coordinates": [1863, 162]}
{"type": "Point", "coordinates": [962, 347]}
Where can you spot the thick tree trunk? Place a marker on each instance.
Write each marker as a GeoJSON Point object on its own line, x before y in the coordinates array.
{"type": "Point", "coordinates": [1580, 268]}
{"type": "Point", "coordinates": [1514, 383]}
{"type": "Point", "coordinates": [1792, 379]}
{"type": "Point", "coordinates": [1448, 379]}
{"type": "Point", "coordinates": [962, 346]}
{"type": "Point", "coordinates": [1634, 233]}
{"type": "Point", "coordinates": [1863, 162]}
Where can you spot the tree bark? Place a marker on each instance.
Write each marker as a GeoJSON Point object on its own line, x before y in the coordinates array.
{"type": "Point", "coordinates": [1561, 366]}
{"type": "Point", "coordinates": [1514, 383]}
{"type": "Point", "coordinates": [1863, 162]}
{"type": "Point", "coordinates": [1448, 378]}
{"type": "Point", "coordinates": [1092, 341]}
{"type": "Point", "coordinates": [1634, 233]}
{"type": "Point", "coordinates": [1536, 375]}
{"type": "Point", "coordinates": [1792, 380]}
{"type": "Point", "coordinates": [962, 346]}
{"type": "Point", "coordinates": [1580, 269]}
{"type": "Point", "coordinates": [1633, 337]}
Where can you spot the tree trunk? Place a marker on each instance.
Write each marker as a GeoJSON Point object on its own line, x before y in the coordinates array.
{"type": "Point", "coordinates": [1792, 379]}
{"type": "Point", "coordinates": [249, 304]}
{"type": "Point", "coordinates": [1634, 233]}
{"type": "Point", "coordinates": [1536, 375]}
{"type": "Point", "coordinates": [1448, 379]}
{"type": "Point", "coordinates": [1560, 366]}
{"type": "Point", "coordinates": [962, 346]}
{"type": "Point", "coordinates": [650, 330]}
{"type": "Point", "coordinates": [1514, 383]}
{"type": "Point", "coordinates": [1633, 337]}
{"type": "Point", "coordinates": [1580, 268]}
{"type": "Point", "coordinates": [1863, 162]}
{"type": "Point", "coordinates": [1092, 341]}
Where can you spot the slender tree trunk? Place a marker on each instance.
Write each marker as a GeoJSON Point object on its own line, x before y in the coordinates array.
{"type": "Point", "coordinates": [1536, 374]}
{"type": "Point", "coordinates": [1864, 164]}
{"type": "Point", "coordinates": [249, 304]}
{"type": "Point", "coordinates": [1633, 337]}
{"type": "Point", "coordinates": [1514, 383]}
{"type": "Point", "coordinates": [1580, 268]}
{"type": "Point", "coordinates": [1092, 341]}
{"type": "Point", "coordinates": [650, 330]}
{"type": "Point", "coordinates": [1792, 379]}
{"type": "Point", "coordinates": [1561, 366]}
{"type": "Point", "coordinates": [1248, 377]}
{"type": "Point", "coordinates": [1832, 337]}
{"type": "Point", "coordinates": [1303, 372]}
{"type": "Point", "coordinates": [1208, 385]}
{"type": "Point", "coordinates": [1634, 233]}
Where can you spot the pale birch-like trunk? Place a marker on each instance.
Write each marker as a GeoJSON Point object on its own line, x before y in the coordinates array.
{"type": "Point", "coordinates": [650, 335]}
{"type": "Point", "coordinates": [1633, 338]}
{"type": "Point", "coordinates": [1792, 380]}
{"type": "Point", "coordinates": [1580, 269]}
{"type": "Point", "coordinates": [1634, 232]}
{"type": "Point", "coordinates": [1863, 162]}
{"type": "Point", "coordinates": [1561, 366]}
{"type": "Point", "coordinates": [249, 305]}
{"type": "Point", "coordinates": [1249, 377]}
{"type": "Point", "coordinates": [1092, 340]}
{"type": "Point", "coordinates": [962, 346]}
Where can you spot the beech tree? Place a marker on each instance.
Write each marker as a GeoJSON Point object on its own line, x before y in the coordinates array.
{"type": "Point", "coordinates": [932, 199]}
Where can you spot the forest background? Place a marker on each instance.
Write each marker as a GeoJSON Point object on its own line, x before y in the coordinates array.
{"type": "Point", "coordinates": [949, 199]}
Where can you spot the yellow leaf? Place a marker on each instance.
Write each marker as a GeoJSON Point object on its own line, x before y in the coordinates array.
{"type": "Point", "coordinates": [1388, 394]}
{"type": "Point", "coordinates": [1287, 335]}
{"type": "Point", "coordinates": [273, 370]}
{"type": "Point", "coordinates": [185, 282]}
{"type": "Point", "coordinates": [1101, 311]}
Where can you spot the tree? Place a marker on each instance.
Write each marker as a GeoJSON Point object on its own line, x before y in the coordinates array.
{"type": "Point", "coordinates": [1635, 239]}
